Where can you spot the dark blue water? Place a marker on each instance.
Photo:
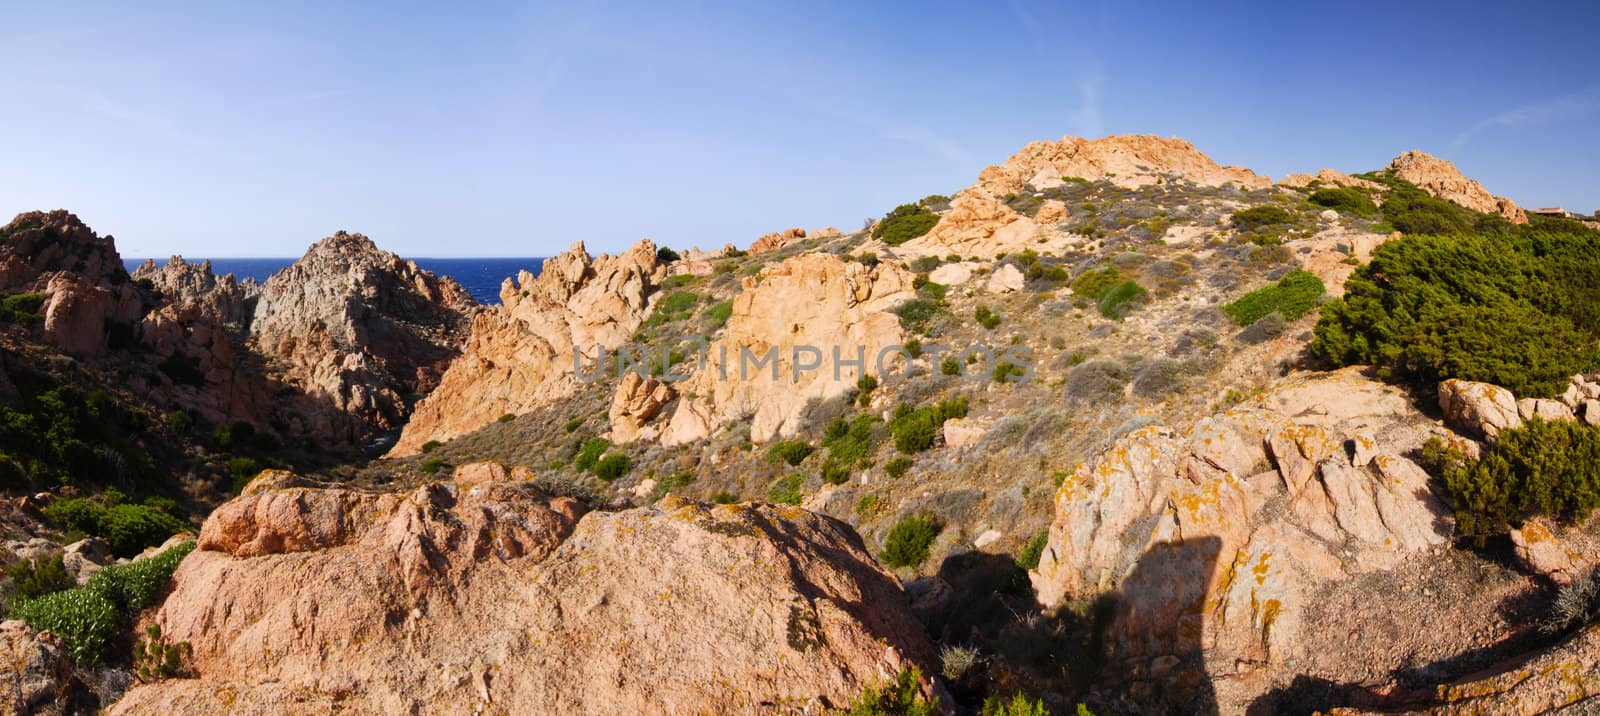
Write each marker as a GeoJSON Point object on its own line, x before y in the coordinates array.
{"type": "Point", "coordinates": [482, 277]}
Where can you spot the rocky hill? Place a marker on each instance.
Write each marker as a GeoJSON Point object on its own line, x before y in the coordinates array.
{"type": "Point", "coordinates": [1115, 426]}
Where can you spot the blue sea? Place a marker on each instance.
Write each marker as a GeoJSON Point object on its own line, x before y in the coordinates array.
{"type": "Point", "coordinates": [482, 277]}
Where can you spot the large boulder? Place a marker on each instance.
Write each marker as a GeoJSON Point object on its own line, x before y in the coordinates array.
{"type": "Point", "coordinates": [635, 403]}
{"type": "Point", "coordinates": [520, 354]}
{"type": "Point", "coordinates": [38, 673]}
{"type": "Point", "coordinates": [1480, 409]}
{"type": "Point", "coordinates": [1213, 543]}
{"type": "Point", "coordinates": [814, 310]}
{"type": "Point", "coordinates": [483, 594]}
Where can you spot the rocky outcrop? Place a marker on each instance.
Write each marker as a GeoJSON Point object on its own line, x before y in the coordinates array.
{"type": "Point", "coordinates": [1329, 177]}
{"type": "Point", "coordinates": [85, 286]}
{"type": "Point", "coordinates": [1127, 160]}
{"type": "Point", "coordinates": [1214, 541]}
{"type": "Point", "coordinates": [636, 402]}
{"type": "Point", "coordinates": [1441, 179]}
{"type": "Point", "coordinates": [811, 302]}
{"type": "Point", "coordinates": [312, 599]}
{"type": "Point", "coordinates": [38, 676]}
{"type": "Point", "coordinates": [1478, 409]}
{"type": "Point", "coordinates": [978, 223]}
{"type": "Point", "coordinates": [231, 301]}
{"type": "Point", "coordinates": [360, 332]}
{"type": "Point", "coordinates": [776, 240]}
{"type": "Point", "coordinates": [520, 355]}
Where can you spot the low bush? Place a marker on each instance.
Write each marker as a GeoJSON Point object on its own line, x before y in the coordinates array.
{"type": "Point", "coordinates": [719, 313]}
{"type": "Point", "coordinates": [507, 417]}
{"type": "Point", "coordinates": [666, 255]}
{"type": "Point", "coordinates": [1260, 217]}
{"type": "Point", "coordinates": [1094, 283]}
{"type": "Point", "coordinates": [1006, 372]}
{"type": "Point", "coordinates": [916, 430]}
{"type": "Point", "coordinates": [1346, 199]}
{"type": "Point", "coordinates": [897, 467]}
{"type": "Point", "coordinates": [901, 698]}
{"type": "Point", "coordinates": [793, 452]}
{"type": "Point", "coordinates": [1019, 705]}
{"type": "Point", "coordinates": [22, 308]}
{"type": "Point", "coordinates": [864, 387]}
{"type": "Point", "coordinates": [723, 497]}
{"type": "Point", "coordinates": [129, 528]}
{"type": "Point", "coordinates": [787, 490]}
{"type": "Point", "coordinates": [34, 578]}
{"type": "Point", "coordinates": [89, 618]}
{"type": "Point", "coordinates": [986, 317]}
{"type": "Point", "coordinates": [1121, 299]}
{"type": "Point", "coordinates": [851, 442]}
{"type": "Point", "coordinates": [916, 313]}
{"type": "Point", "coordinates": [1540, 469]}
{"type": "Point", "coordinates": [1521, 311]}
{"type": "Point", "coordinates": [432, 445]}
{"type": "Point", "coordinates": [612, 466]}
{"type": "Point", "coordinates": [590, 453]}
{"type": "Point", "coordinates": [1291, 297]}
{"type": "Point", "coordinates": [432, 465]}
{"type": "Point", "coordinates": [906, 222]}
{"type": "Point", "coordinates": [1265, 329]}
{"type": "Point", "coordinates": [908, 541]}
{"type": "Point", "coordinates": [1028, 558]}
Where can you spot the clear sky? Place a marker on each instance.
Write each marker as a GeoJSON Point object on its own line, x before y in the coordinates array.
{"type": "Point", "coordinates": [212, 129]}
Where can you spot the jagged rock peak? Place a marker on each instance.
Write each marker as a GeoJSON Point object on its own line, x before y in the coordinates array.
{"type": "Point", "coordinates": [1442, 179]}
{"type": "Point", "coordinates": [1128, 160]}
{"type": "Point", "coordinates": [39, 242]}
{"type": "Point", "coordinates": [360, 330]}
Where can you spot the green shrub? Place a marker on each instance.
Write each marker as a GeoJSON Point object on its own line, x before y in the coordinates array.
{"type": "Point", "coordinates": [1120, 300]}
{"type": "Point", "coordinates": [986, 317]}
{"type": "Point", "coordinates": [1540, 469]}
{"type": "Point", "coordinates": [243, 468]}
{"type": "Point", "coordinates": [932, 291]}
{"type": "Point", "coordinates": [666, 255]}
{"type": "Point", "coordinates": [906, 222]}
{"type": "Point", "coordinates": [1094, 283]}
{"type": "Point", "coordinates": [868, 504]}
{"type": "Point", "coordinates": [718, 313]}
{"type": "Point", "coordinates": [1028, 558]}
{"type": "Point", "coordinates": [1292, 296]}
{"type": "Point", "coordinates": [950, 366]}
{"type": "Point", "coordinates": [897, 467]}
{"type": "Point", "coordinates": [432, 445]}
{"type": "Point", "coordinates": [590, 453]}
{"type": "Point", "coordinates": [1006, 371]}
{"type": "Point", "coordinates": [901, 698]}
{"type": "Point", "coordinates": [508, 417]}
{"type": "Point", "coordinates": [1019, 705]}
{"type": "Point", "coordinates": [90, 617]}
{"type": "Point", "coordinates": [851, 442]}
{"type": "Point", "coordinates": [835, 472]}
{"type": "Point", "coordinates": [22, 308]}
{"type": "Point", "coordinates": [723, 497]}
{"type": "Point", "coordinates": [76, 514]}
{"type": "Point", "coordinates": [612, 466]}
{"type": "Point", "coordinates": [864, 387]}
{"type": "Point", "coordinates": [1346, 199]}
{"type": "Point", "coordinates": [914, 314]}
{"type": "Point", "coordinates": [85, 620]}
{"type": "Point", "coordinates": [671, 482]}
{"type": "Point", "coordinates": [1261, 217]}
{"type": "Point", "coordinates": [1521, 311]}
{"type": "Point", "coordinates": [786, 491]}
{"type": "Point", "coordinates": [908, 541]}
{"type": "Point", "coordinates": [917, 430]}
{"type": "Point", "coordinates": [678, 302]}
{"type": "Point", "coordinates": [432, 465]}
{"type": "Point", "coordinates": [131, 528]}
{"type": "Point", "coordinates": [34, 578]}
{"type": "Point", "coordinates": [790, 451]}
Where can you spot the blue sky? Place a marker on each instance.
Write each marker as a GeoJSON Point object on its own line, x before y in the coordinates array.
{"type": "Point", "coordinates": [513, 130]}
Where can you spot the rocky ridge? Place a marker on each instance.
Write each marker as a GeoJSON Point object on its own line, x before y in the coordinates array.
{"type": "Point", "coordinates": [1442, 179]}
{"type": "Point", "coordinates": [520, 354]}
